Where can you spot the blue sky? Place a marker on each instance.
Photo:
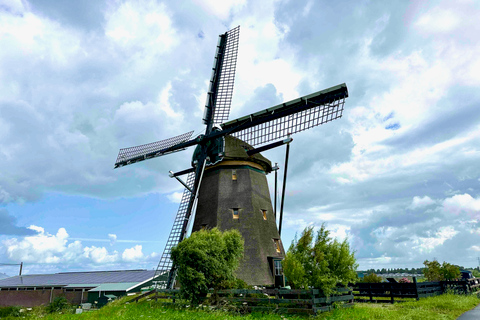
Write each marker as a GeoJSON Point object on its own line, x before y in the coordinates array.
{"type": "Point", "coordinates": [398, 175]}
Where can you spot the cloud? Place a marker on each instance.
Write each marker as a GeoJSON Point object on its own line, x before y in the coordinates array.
{"type": "Point", "coordinates": [418, 202]}
{"type": "Point", "coordinates": [41, 248]}
{"type": "Point", "coordinates": [59, 249]}
{"type": "Point", "coordinates": [8, 225]}
{"type": "Point", "coordinates": [398, 171]}
{"type": "Point", "coordinates": [175, 197]}
{"type": "Point", "coordinates": [463, 203]}
{"type": "Point", "coordinates": [76, 133]}
{"type": "Point", "coordinates": [113, 238]}
{"type": "Point", "coordinates": [133, 254]}
{"type": "Point", "coordinates": [222, 9]}
{"type": "Point", "coordinates": [100, 255]}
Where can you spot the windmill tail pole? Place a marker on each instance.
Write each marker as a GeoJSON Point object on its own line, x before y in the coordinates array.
{"type": "Point", "coordinates": [283, 189]}
{"type": "Point", "coordinates": [275, 195]}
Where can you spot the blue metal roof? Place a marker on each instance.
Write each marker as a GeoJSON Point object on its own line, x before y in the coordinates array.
{"type": "Point", "coordinates": [78, 278]}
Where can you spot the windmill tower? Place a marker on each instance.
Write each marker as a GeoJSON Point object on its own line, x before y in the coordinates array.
{"type": "Point", "coordinates": [227, 180]}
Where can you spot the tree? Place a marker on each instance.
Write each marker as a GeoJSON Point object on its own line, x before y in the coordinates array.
{"type": "Point", "coordinates": [434, 271]}
{"type": "Point", "coordinates": [207, 259]}
{"type": "Point", "coordinates": [372, 278]}
{"type": "Point", "coordinates": [450, 271]}
{"type": "Point", "coordinates": [321, 263]}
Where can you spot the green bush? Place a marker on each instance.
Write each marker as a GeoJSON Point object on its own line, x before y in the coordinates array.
{"type": "Point", "coordinates": [372, 278]}
{"type": "Point", "coordinates": [476, 273]}
{"type": "Point", "coordinates": [207, 259]}
{"type": "Point", "coordinates": [58, 304]}
{"type": "Point", "coordinates": [435, 272]}
{"type": "Point", "coordinates": [11, 311]}
{"type": "Point", "coordinates": [321, 263]}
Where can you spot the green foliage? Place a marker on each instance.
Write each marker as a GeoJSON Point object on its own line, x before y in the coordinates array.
{"type": "Point", "coordinates": [321, 263]}
{"type": "Point", "coordinates": [396, 270]}
{"type": "Point", "coordinates": [476, 273]}
{"type": "Point", "coordinates": [372, 278]}
{"type": "Point", "coordinates": [207, 259]}
{"type": "Point", "coordinates": [439, 307]}
{"type": "Point", "coordinates": [11, 311]}
{"type": "Point", "coordinates": [450, 271]}
{"type": "Point", "coordinates": [58, 304]}
{"type": "Point", "coordinates": [434, 271]}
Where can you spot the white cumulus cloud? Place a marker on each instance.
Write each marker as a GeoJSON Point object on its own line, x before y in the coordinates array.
{"type": "Point", "coordinates": [418, 202]}
{"type": "Point", "coordinates": [133, 254]}
{"type": "Point", "coordinates": [56, 248]}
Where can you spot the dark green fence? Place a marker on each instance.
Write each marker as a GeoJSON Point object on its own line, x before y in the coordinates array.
{"type": "Point", "coordinates": [274, 300]}
{"type": "Point", "coordinates": [372, 291]}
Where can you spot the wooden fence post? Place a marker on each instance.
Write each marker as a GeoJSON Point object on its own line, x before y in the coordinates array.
{"type": "Point", "coordinates": [314, 309]}
{"type": "Point", "coordinates": [391, 293]}
{"type": "Point", "coordinates": [416, 288]}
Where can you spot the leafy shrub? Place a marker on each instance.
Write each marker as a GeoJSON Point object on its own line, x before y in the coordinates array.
{"type": "Point", "coordinates": [404, 280]}
{"type": "Point", "coordinates": [435, 272]}
{"type": "Point", "coordinates": [58, 304]}
{"type": "Point", "coordinates": [321, 263]}
{"type": "Point", "coordinates": [208, 259]}
{"type": "Point", "coordinates": [11, 311]}
{"type": "Point", "coordinates": [372, 278]}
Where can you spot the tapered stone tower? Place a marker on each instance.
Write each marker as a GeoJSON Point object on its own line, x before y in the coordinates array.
{"type": "Point", "coordinates": [234, 194]}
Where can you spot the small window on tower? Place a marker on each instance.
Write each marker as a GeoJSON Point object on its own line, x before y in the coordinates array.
{"type": "Point", "coordinates": [277, 245]}
{"type": "Point", "coordinates": [235, 213]}
{"type": "Point", "coordinates": [264, 213]}
{"type": "Point", "coordinates": [234, 174]}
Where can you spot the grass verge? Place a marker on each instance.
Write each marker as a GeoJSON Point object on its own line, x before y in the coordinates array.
{"type": "Point", "coordinates": [447, 306]}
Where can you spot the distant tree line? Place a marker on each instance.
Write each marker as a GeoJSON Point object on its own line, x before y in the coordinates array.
{"type": "Point", "coordinates": [411, 270]}
{"type": "Point", "coordinates": [395, 270]}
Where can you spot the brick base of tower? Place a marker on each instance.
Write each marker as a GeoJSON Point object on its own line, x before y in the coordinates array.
{"type": "Point", "coordinates": [235, 195]}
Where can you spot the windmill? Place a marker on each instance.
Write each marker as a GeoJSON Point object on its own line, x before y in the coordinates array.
{"type": "Point", "coordinates": [227, 180]}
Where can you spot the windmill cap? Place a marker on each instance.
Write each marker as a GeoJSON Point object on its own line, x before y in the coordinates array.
{"type": "Point", "coordinates": [236, 149]}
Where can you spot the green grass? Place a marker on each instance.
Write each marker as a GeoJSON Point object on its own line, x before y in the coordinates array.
{"type": "Point", "coordinates": [447, 306]}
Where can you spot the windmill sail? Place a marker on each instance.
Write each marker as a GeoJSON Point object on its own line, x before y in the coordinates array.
{"type": "Point", "coordinates": [290, 117]}
{"type": "Point", "coordinates": [150, 150]}
{"type": "Point", "coordinates": [176, 235]}
{"type": "Point", "coordinates": [220, 91]}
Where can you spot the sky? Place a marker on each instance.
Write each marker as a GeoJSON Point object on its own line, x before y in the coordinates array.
{"type": "Point", "coordinates": [397, 175]}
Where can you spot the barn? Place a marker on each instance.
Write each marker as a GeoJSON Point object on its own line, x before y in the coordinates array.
{"type": "Point", "coordinates": [77, 287]}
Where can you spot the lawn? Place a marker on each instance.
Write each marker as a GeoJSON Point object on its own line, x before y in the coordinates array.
{"type": "Point", "coordinates": [447, 306]}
